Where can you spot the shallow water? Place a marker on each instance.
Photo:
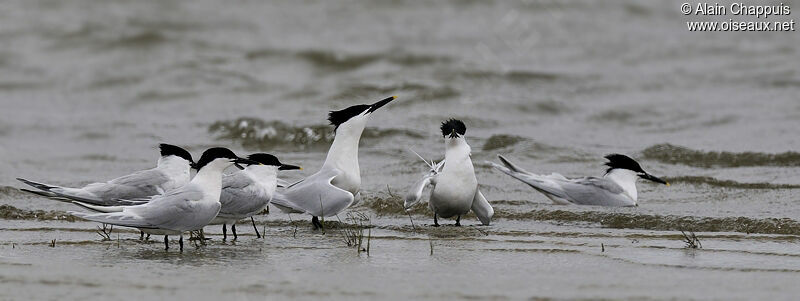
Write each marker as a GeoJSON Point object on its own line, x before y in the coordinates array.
{"type": "Point", "coordinates": [88, 89]}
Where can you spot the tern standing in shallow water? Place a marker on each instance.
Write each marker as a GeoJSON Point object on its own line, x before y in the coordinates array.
{"type": "Point", "coordinates": [171, 171]}
{"type": "Point", "coordinates": [247, 192]}
{"type": "Point", "coordinates": [336, 186]}
{"type": "Point", "coordinates": [455, 188]}
{"type": "Point", "coordinates": [616, 188]}
{"type": "Point", "coordinates": [187, 208]}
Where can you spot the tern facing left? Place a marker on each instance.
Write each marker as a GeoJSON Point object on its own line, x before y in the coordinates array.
{"type": "Point", "coordinates": [616, 188]}
{"type": "Point", "coordinates": [337, 184]}
{"type": "Point", "coordinates": [187, 208]}
{"type": "Point", "coordinates": [247, 192]}
{"type": "Point", "coordinates": [455, 188]}
{"type": "Point", "coordinates": [171, 172]}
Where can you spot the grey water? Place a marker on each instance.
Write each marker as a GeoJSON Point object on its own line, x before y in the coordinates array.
{"type": "Point", "coordinates": [89, 88]}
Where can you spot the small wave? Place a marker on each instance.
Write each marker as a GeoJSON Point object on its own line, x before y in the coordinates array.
{"type": "Point", "coordinates": [11, 212]}
{"type": "Point", "coordinates": [695, 180]}
{"type": "Point", "coordinates": [340, 61]}
{"type": "Point", "coordinates": [785, 83]}
{"type": "Point", "coordinates": [14, 193]}
{"type": "Point", "coordinates": [165, 95]}
{"type": "Point", "coordinates": [662, 222]}
{"type": "Point", "coordinates": [673, 154]}
{"type": "Point", "coordinates": [257, 133]}
{"type": "Point", "coordinates": [114, 82]}
{"type": "Point", "coordinates": [16, 86]}
{"type": "Point", "coordinates": [142, 39]}
{"type": "Point", "coordinates": [99, 157]}
{"type": "Point", "coordinates": [635, 9]}
{"type": "Point", "coordinates": [416, 91]}
{"type": "Point", "coordinates": [518, 76]}
{"type": "Point", "coordinates": [501, 141]}
{"type": "Point", "coordinates": [94, 136]}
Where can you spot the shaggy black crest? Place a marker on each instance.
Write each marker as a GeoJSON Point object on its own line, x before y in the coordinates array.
{"type": "Point", "coordinates": [338, 117]}
{"type": "Point", "coordinates": [265, 159]}
{"type": "Point", "coordinates": [453, 128]}
{"type": "Point", "coordinates": [172, 150]}
{"type": "Point", "coordinates": [213, 153]}
{"type": "Point", "coordinates": [622, 161]}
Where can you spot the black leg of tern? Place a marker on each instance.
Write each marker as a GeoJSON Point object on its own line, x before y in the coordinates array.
{"type": "Point", "coordinates": [233, 229]}
{"type": "Point", "coordinates": [458, 221]}
{"type": "Point", "coordinates": [316, 223]}
{"type": "Point", "coordinates": [435, 220]}
{"type": "Point", "coordinates": [180, 242]}
{"type": "Point", "coordinates": [258, 235]}
{"type": "Point", "coordinates": [141, 235]}
{"type": "Point", "coordinates": [166, 242]}
{"type": "Point", "coordinates": [224, 232]}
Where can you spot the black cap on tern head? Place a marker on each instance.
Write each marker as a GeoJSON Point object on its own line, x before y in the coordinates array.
{"type": "Point", "coordinates": [453, 128]}
{"type": "Point", "coordinates": [267, 159]}
{"type": "Point", "coordinates": [214, 153]}
{"type": "Point", "coordinates": [264, 159]}
{"type": "Point", "coordinates": [619, 161]}
{"type": "Point", "coordinates": [338, 117]}
{"type": "Point", "coordinates": [172, 150]}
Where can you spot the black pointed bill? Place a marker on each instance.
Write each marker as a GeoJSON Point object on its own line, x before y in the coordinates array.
{"type": "Point", "coordinates": [379, 104]}
{"type": "Point", "coordinates": [289, 167]}
{"type": "Point", "coordinates": [454, 134]}
{"type": "Point", "coordinates": [653, 178]}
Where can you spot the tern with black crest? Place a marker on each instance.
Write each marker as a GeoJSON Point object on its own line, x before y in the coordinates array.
{"type": "Point", "coordinates": [171, 171]}
{"type": "Point", "coordinates": [248, 191]}
{"type": "Point", "coordinates": [336, 186]}
{"type": "Point", "coordinates": [187, 208]}
{"type": "Point", "coordinates": [455, 188]}
{"type": "Point", "coordinates": [616, 188]}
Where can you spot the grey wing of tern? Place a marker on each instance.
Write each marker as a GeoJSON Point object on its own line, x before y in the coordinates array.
{"type": "Point", "coordinates": [595, 191]}
{"type": "Point", "coordinates": [582, 191]}
{"type": "Point", "coordinates": [239, 197]}
{"type": "Point", "coordinates": [414, 195]}
{"type": "Point", "coordinates": [168, 211]}
{"type": "Point", "coordinates": [483, 210]}
{"type": "Point", "coordinates": [315, 195]}
{"type": "Point", "coordinates": [145, 182]}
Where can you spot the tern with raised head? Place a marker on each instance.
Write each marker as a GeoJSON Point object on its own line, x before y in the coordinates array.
{"type": "Point", "coordinates": [455, 188]}
{"type": "Point", "coordinates": [247, 192]}
{"type": "Point", "coordinates": [616, 188]}
{"type": "Point", "coordinates": [171, 171]}
{"type": "Point", "coordinates": [336, 186]}
{"type": "Point", "coordinates": [187, 208]}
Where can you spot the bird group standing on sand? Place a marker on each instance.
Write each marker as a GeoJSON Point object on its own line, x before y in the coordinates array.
{"type": "Point", "coordinates": [166, 200]}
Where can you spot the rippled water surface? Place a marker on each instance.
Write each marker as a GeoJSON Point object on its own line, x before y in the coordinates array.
{"type": "Point", "coordinates": [88, 89]}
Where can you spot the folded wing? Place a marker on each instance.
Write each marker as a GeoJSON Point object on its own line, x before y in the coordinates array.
{"type": "Point", "coordinates": [315, 195]}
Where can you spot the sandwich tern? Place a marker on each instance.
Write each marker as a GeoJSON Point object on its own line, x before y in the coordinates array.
{"type": "Point", "coordinates": [171, 171]}
{"type": "Point", "coordinates": [336, 186]}
{"type": "Point", "coordinates": [616, 188]}
{"type": "Point", "coordinates": [187, 208]}
{"type": "Point", "coordinates": [247, 192]}
{"type": "Point", "coordinates": [455, 187]}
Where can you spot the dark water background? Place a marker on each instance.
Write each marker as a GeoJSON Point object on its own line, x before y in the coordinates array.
{"type": "Point", "coordinates": [88, 89]}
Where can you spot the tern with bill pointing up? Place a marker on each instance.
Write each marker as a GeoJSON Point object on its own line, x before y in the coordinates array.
{"type": "Point", "coordinates": [455, 188]}
{"type": "Point", "coordinates": [337, 184]}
